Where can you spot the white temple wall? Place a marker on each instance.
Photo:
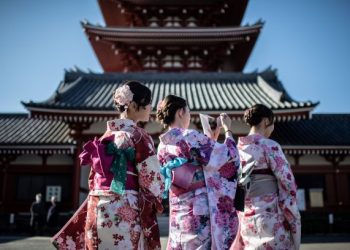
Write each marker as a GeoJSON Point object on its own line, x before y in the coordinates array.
{"type": "Point", "coordinates": [28, 160]}
{"type": "Point", "coordinates": [290, 159]}
{"type": "Point", "coordinates": [154, 127]}
{"type": "Point", "coordinates": [239, 128]}
{"type": "Point", "coordinates": [96, 128]}
{"type": "Point", "coordinates": [60, 160]}
{"type": "Point", "coordinates": [313, 160]}
{"type": "Point", "coordinates": [84, 178]}
{"type": "Point", "coordinates": [346, 161]}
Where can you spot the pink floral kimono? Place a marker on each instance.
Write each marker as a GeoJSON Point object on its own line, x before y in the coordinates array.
{"type": "Point", "coordinates": [202, 176]}
{"type": "Point", "coordinates": [271, 218]}
{"type": "Point", "coordinates": [125, 193]}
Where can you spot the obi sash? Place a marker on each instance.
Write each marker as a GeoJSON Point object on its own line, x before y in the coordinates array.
{"type": "Point", "coordinates": [111, 168]}
{"type": "Point", "coordinates": [261, 184]}
{"type": "Point", "coordinates": [179, 176]}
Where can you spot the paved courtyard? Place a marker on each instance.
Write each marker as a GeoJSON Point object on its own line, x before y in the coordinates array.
{"type": "Point", "coordinates": [43, 243]}
{"type": "Point", "coordinates": [321, 242]}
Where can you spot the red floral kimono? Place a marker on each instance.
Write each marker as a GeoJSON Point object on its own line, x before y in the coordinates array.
{"type": "Point", "coordinates": [125, 193]}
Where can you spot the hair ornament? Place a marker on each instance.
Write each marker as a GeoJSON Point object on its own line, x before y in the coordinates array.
{"type": "Point", "coordinates": [123, 96]}
{"type": "Point", "coordinates": [160, 105]}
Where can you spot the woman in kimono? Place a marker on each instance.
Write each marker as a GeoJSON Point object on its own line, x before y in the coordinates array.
{"type": "Point", "coordinates": [201, 175]}
{"type": "Point", "coordinates": [271, 218]}
{"type": "Point", "coordinates": [125, 182]}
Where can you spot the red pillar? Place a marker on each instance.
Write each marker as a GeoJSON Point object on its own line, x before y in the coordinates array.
{"type": "Point", "coordinates": [76, 176]}
{"type": "Point", "coordinates": [5, 163]}
{"type": "Point", "coordinates": [3, 186]}
{"type": "Point", "coordinates": [77, 132]}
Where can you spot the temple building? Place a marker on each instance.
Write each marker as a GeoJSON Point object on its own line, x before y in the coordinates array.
{"type": "Point", "coordinates": [194, 49]}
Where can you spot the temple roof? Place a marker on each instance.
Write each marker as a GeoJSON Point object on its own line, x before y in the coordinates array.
{"type": "Point", "coordinates": [174, 35]}
{"type": "Point", "coordinates": [129, 49]}
{"type": "Point", "coordinates": [21, 134]}
{"type": "Point", "coordinates": [324, 133]}
{"type": "Point", "coordinates": [175, 2]}
{"type": "Point", "coordinates": [89, 95]}
{"type": "Point", "coordinates": [211, 12]}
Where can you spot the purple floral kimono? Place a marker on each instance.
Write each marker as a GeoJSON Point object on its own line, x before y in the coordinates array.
{"type": "Point", "coordinates": [271, 218]}
{"type": "Point", "coordinates": [203, 215]}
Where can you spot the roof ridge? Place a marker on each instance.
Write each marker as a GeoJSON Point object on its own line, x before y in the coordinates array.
{"type": "Point", "coordinates": [14, 114]}
{"type": "Point", "coordinates": [87, 25]}
{"type": "Point", "coordinates": [74, 75]}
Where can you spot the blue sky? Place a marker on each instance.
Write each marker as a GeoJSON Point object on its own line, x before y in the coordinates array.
{"type": "Point", "coordinates": [307, 41]}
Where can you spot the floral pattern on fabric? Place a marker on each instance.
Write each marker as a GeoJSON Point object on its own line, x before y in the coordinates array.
{"type": "Point", "coordinates": [204, 218]}
{"type": "Point", "coordinates": [72, 235]}
{"type": "Point", "coordinates": [117, 222]}
{"type": "Point", "coordinates": [189, 221]}
{"type": "Point", "coordinates": [114, 221]}
{"type": "Point", "coordinates": [270, 221]}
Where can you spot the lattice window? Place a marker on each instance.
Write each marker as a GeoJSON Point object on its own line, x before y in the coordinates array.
{"type": "Point", "coordinates": [172, 61]}
{"type": "Point", "coordinates": [153, 22]}
{"type": "Point", "coordinates": [172, 21]}
{"type": "Point", "coordinates": [191, 22]}
{"type": "Point", "coordinates": [150, 62]}
{"type": "Point", "coordinates": [195, 62]}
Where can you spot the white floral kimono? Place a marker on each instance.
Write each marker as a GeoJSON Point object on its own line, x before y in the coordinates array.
{"type": "Point", "coordinates": [271, 219]}
{"type": "Point", "coordinates": [203, 217]}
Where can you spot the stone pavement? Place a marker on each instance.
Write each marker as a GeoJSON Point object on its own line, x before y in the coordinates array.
{"type": "Point", "coordinates": [320, 242]}
{"type": "Point", "coordinates": [43, 243]}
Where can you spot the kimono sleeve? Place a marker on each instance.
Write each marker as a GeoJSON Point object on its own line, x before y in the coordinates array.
{"type": "Point", "coordinates": [214, 155]}
{"type": "Point", "coordinates": [86, 155]}
{"type": "Point", "coordinates": [151, 190]}
{"type": "Point", "coordinates": [286, 190]}
{"type": "Point", "coordinates": [148, 167]}
{"type": "Point", "coordinates": [86, 161]}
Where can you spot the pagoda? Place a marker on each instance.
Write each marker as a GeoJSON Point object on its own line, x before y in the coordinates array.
{"type": "Point", "coordinates": [194, 49]}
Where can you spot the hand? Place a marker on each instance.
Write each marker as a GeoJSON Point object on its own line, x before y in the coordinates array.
{"type": "Point", "coordinates": [218, 122]}
{"type": "Point", "coordinates": [225, 121]}
{"type": "Point", "coordinates": [215, 133]}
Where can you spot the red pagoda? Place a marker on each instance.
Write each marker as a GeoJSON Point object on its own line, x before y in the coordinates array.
{"type": "Point", "coordinates": [195, 49]}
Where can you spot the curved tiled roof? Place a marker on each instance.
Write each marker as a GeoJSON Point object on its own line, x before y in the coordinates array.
{"type": "Point", "coordinates": [322, 129]}
{"type": "Point", "coordinates": [172, 2]}
{"type": "Point", "coordinates": [323, 134]}
{"type": "Point", "coordinates": [20, 134]}
{"type": "Point", "coordinates": [205, 92]}
{"type": "Point", "coordinates": [172, 35]}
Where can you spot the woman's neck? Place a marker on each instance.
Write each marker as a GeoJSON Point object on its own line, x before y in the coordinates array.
{"type": "Point", "coordinates": [129, 117]}
{"type": "Point", "coordinates": [176, 124]}
{"type": "Point", "coordinates": [257, 130]}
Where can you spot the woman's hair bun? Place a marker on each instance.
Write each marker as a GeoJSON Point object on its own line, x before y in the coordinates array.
{"type": "Point", "coordinates": [254, 115]}
{"type": "Point", "coordinates": [168, 108]}
{"type": "Point", "coordinates": [140, 93]}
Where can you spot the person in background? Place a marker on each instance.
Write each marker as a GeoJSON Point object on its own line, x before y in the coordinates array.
{"type": "Point", "coordinates": [37, 215]}
{"type": "Point", "coordinates": [52, 214]}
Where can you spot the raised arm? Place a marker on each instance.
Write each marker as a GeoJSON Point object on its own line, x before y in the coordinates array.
{"type": "Point", "coordinates": [214, 155]}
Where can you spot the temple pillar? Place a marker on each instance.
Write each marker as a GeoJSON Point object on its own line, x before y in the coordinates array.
{"type": "Point", "coordinates": [76, 132]}
{"type": "Point", "coordinates": [5, 163]}
{"type": "Point", "coordinates": [337, 182]}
